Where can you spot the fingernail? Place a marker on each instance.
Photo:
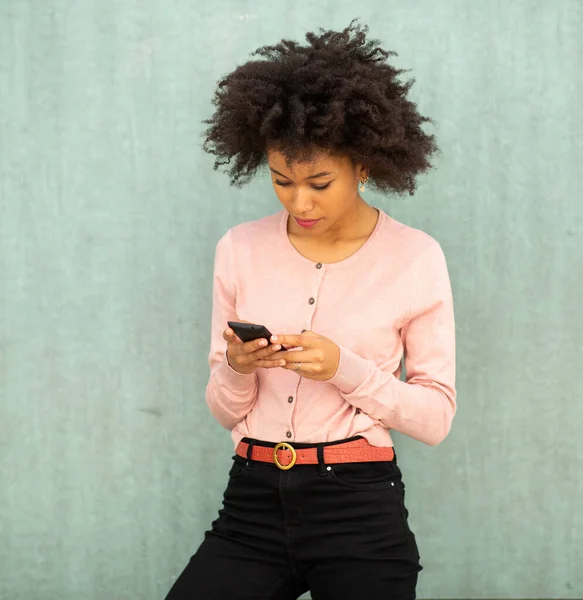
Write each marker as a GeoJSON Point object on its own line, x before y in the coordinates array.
{"type": "Point", "coordinates": [274, 338]}
{"type": "Point", "coordinates": [263, 343]}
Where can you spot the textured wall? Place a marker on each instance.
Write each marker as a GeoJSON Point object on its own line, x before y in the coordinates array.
{"type": "Point", "coordinates": [111, 466]}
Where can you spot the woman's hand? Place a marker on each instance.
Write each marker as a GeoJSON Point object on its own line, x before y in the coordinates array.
{"type": "Point", "coordinates": [245, 357]}
{"type": "Point", "coordinates": [318, 357]}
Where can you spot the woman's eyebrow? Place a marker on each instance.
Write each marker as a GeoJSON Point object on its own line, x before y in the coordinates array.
{"type": "Point", "coordinates": [310, 177]}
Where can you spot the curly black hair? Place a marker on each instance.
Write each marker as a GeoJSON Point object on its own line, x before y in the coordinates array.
{"type": "Point", "coordinates": [337, 93]}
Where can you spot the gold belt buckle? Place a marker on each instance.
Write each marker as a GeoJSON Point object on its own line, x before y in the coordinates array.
{"type": "Point", "coordinates": [284, 446]}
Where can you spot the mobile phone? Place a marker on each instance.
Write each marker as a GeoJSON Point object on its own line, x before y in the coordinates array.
{"type": "Point", "coordinates": [248, 332]}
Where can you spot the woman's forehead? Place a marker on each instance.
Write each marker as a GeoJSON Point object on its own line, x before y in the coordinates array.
{"type": "Point", "coordinates": [314, 162]}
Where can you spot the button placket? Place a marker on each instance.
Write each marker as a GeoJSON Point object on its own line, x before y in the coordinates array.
{"type": "Point", "coordinates": [312, 300]}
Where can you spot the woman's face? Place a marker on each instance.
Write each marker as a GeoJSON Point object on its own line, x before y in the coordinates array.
{"type": "Point", "coordinates": [321, 195]}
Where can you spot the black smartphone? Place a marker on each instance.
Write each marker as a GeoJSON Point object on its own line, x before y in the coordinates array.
{"type": "Point", "coordinates": [248, 332]}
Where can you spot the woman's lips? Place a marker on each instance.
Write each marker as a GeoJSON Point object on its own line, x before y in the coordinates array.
{"type": "Point", "coordinates": [306, 222]}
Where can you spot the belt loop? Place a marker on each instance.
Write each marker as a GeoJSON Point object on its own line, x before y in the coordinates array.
{"type": "Point", "coordinates": [248, 464]}
{"type": "Point", "coordinates": [394, 464]}
{"type": "Point", "coordinates": [321, 463]}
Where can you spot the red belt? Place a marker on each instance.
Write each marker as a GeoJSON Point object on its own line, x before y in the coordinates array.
{"type": "Point", "coordinates": [285, 456]}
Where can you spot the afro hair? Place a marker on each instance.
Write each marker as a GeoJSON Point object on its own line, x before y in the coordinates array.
{"type": "Point", "coordinates": [337, 93]}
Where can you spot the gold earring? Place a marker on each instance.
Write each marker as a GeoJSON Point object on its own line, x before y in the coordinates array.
{"type": "Point", "coordinates": [362, 186]}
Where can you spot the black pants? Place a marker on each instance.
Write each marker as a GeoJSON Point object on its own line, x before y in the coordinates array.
{"type": "Point", "coordinates": [339, 531]}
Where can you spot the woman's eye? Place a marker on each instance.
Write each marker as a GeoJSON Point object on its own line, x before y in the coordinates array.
{"type": "Point", "coordinates": [315, 187]}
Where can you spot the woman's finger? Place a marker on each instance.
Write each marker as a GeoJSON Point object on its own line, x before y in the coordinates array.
{"type": "Point", "coordinates": [240, 347]}
{"type": "Point", "coordinates": [254, 345]}
{"type": "Point", "coordinates": [297, 355]}
{"type": "Point", "coordinates": [305, 368]}
{"type": "Point", "coordinates": [269, 364]}
{"type": "Point", "coordinates": [266, 352]}
{"type": "Point", "coordinates": [289, 340]}
{"type": "Point", "coordinates": [229, 336]}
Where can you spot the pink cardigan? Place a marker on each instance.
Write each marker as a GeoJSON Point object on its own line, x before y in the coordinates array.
{"type": "Point", "coordinates": [391, 298]}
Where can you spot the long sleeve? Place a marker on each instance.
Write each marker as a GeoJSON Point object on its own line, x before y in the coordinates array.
{"type": "Point", "coordinates": [229, 395]}
{"type": "Point", "coordinates": [423, 407]}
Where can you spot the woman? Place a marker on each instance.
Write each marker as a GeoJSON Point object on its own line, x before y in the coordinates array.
{"type": "Point", "coordinates": [347, 291]}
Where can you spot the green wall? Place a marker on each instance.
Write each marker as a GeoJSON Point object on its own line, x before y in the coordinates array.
{"type": "Point", "coordinates": [111, 466]}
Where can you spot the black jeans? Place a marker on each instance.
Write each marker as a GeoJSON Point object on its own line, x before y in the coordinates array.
{"type": "Point", "coordinates": [339, 531]}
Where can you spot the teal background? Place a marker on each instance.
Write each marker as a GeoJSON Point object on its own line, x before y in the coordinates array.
{"type": "Point", "coordinates": [111, 466]}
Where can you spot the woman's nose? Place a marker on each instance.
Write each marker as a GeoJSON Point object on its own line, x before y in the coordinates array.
{"type": "Point", "coordinates": [302, 202]}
